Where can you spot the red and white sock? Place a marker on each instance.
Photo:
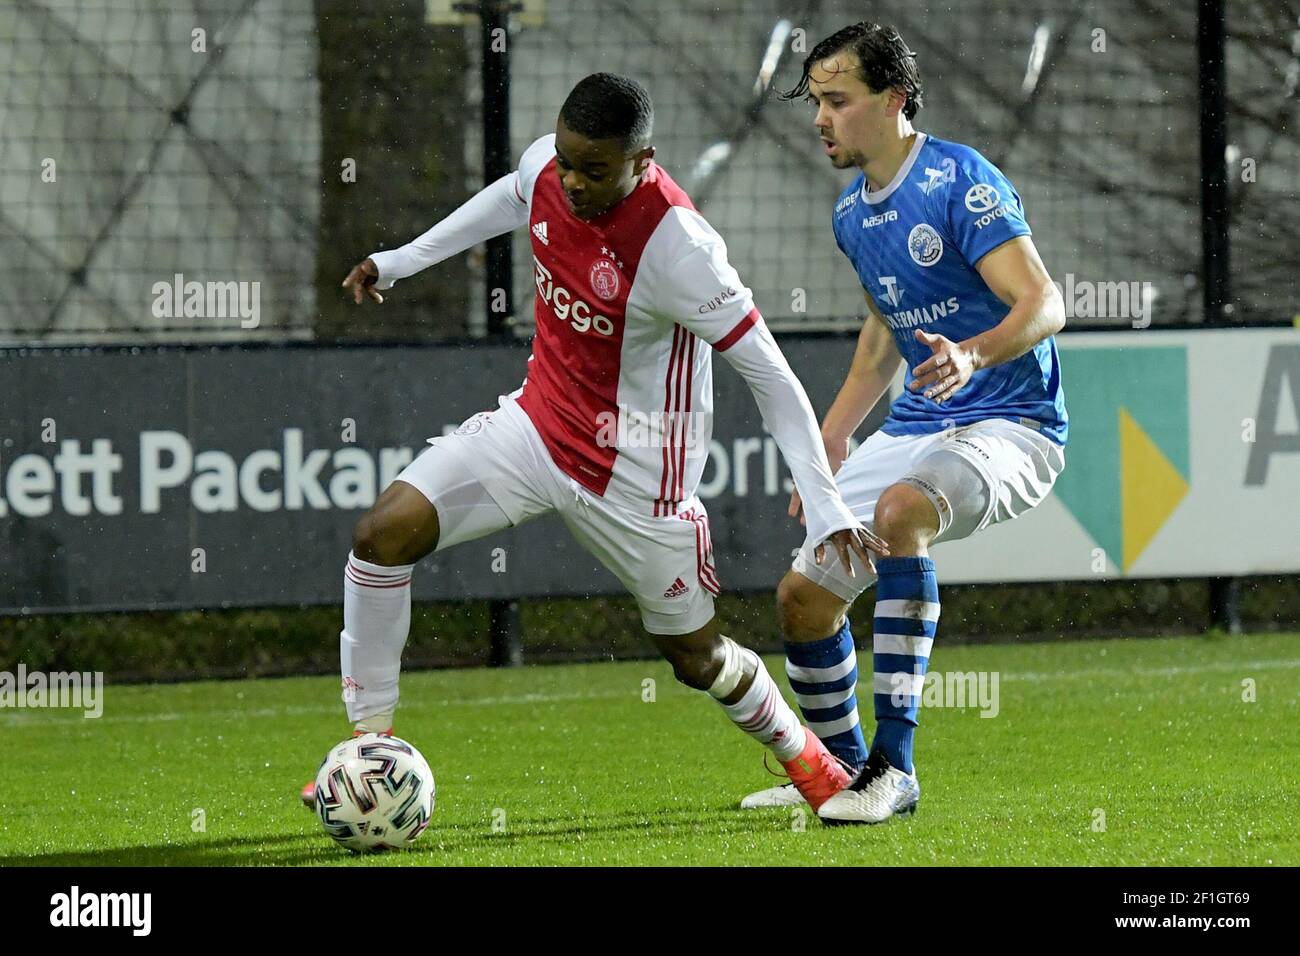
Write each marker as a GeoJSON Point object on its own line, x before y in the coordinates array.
{"type": "Point", "coordinates": [376, 621]}
{"type": "Point", "coordinates": [762, 712]}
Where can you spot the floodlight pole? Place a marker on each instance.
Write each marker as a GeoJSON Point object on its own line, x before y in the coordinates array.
{"type": "Point", "coordinates": [1211, 39]}
{"type": "Point", "coordinates": [1211, 43]}
{"type": "Point", "coordinates": [494, 60]}
{"type": "Point", "coordinates": [494, 49]}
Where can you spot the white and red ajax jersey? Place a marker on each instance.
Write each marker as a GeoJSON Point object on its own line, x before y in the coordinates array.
{"type": "Point", "coordinates": [629, 307]}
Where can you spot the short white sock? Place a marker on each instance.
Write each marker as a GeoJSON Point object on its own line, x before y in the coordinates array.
{"type": "Point", "coordinates": [378, 724]}
{"type": "Point", "coordinates": [376, 620]}
{"type": "Point", "coordinates": [764, 715]}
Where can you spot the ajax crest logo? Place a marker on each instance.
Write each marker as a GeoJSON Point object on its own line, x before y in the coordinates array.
{"type": "Point", "coordinates": [474, 424]}
{"type": "Point", "coordinates": [604, 279]}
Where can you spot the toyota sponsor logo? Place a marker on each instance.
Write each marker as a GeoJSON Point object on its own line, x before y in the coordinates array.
{"type": "Point", "coordinates": [986, 202]}
{"type": "Point", "coordinates": [982, 197]}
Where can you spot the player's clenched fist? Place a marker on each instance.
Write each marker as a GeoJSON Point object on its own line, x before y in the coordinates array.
{"type": "Point", "coordinates": [361, 280]}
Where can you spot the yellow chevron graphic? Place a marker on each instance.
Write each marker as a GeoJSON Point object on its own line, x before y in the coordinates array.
{"type": "Point", "coordinates": [1150, 487]}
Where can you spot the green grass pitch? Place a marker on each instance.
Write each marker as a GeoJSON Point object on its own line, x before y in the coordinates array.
{"type": "Point", "coordinates": [574, 767]}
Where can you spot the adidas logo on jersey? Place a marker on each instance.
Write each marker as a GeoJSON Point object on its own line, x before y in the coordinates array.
{"type": "Point", "coordinates": [539, 230]}
{"type": "Point", "coordinates": [677, 590]}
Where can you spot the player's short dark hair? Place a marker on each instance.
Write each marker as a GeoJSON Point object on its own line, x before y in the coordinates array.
{"type": "Point", "coordinates": [887, 63]}
{"type": "Point", "coordinates": [609, 106]}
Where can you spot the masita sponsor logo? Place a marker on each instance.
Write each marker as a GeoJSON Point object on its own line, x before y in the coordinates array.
{"type": "Point", "coordinates": [911, 318]}
{"type": "Point", "coordinates": [75, 908]}
{"type": "Point", "coordinates": [888, 216]}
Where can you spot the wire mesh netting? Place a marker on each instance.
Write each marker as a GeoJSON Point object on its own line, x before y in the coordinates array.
{"type": "Point", "coordinates": [135, 151]}
{"type": "Point", "coordinates": [1263, 92]}
{"type": "Point", "coordinates": [1091, 109]}
{"type": "Point", "coordinates": [144, 140]}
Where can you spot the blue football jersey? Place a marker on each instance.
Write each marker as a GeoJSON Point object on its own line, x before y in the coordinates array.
{"type": "Point", "coordinates": [914, 245]}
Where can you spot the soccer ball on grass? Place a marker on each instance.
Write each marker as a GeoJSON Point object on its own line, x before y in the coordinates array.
{"type": "Point", "coordinates": [373, 793]}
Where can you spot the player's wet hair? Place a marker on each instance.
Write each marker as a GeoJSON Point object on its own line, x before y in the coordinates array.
{"type": "Point", "coordinates": [609, 106]}
{"type": "Point", "coordinates": [887, 63]}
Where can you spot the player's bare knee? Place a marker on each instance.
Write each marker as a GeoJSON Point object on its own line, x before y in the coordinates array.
{"type": "Point", "coordinates": [806, 611]}
{"type": "Point", "coordinates": [366, 539]}
{"type": "Point", "coordinates": [792, 602]}
{"type": "Point", "coordinates": [373, 541]}
{"type": "Point", "coordinates": [696, 665]}
{"type": "Point", "coordinates": [905, 518]}
{"type": "Point", "coordinates": [400, 528]}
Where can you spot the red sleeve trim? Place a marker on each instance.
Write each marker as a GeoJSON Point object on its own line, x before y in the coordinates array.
{"type": "Point", "coordinates": [736, 334]}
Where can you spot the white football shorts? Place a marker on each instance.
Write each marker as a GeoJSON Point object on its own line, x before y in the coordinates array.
{"type": "Point", "coordinates": [975, 476]}
{"type": "Point", "coordinates": [494, 472]}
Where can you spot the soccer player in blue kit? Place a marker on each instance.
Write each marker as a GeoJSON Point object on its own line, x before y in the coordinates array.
{"type": "Point", "coordinates": [956, 290]}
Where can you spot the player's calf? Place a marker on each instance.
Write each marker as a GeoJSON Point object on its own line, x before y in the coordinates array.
{"type": "Point", "coordinates": [695, 661]}
{"type": "Point", "coordinates": [821, 663]}
{"type": "Point", "coordinates": [397, 531]}
{"type": "Point", "coordinates": [737, 679]}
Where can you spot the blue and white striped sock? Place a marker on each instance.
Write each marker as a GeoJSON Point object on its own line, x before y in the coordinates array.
{"type": "Point", "coordinates": [824, 678]}
{"type": "Point", "coordinates": [906, 617]}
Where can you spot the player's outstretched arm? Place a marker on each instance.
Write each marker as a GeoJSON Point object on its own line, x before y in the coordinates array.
{"type": "Point", "coordinates": [789, 416]}
{"type": "Point", "coordinates": [875, 362]}
{"type": "Point", "coordinates": [695, 286]}
{"type": "Point", "coordinates": [1015, 273]}
{"type": "Point", "coordinates": [496, 209]}
{"type": "Point", "coordinates": [490, 212]}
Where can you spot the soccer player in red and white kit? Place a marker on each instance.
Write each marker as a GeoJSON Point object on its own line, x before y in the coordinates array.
{"type": "Point", "coordinates": [634, 295]}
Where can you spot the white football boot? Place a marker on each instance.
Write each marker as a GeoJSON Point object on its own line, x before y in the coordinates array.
{"type": "Point", "coordinates": [877, 793]}
{"type": "Point", "coordinates": [786, 795]}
